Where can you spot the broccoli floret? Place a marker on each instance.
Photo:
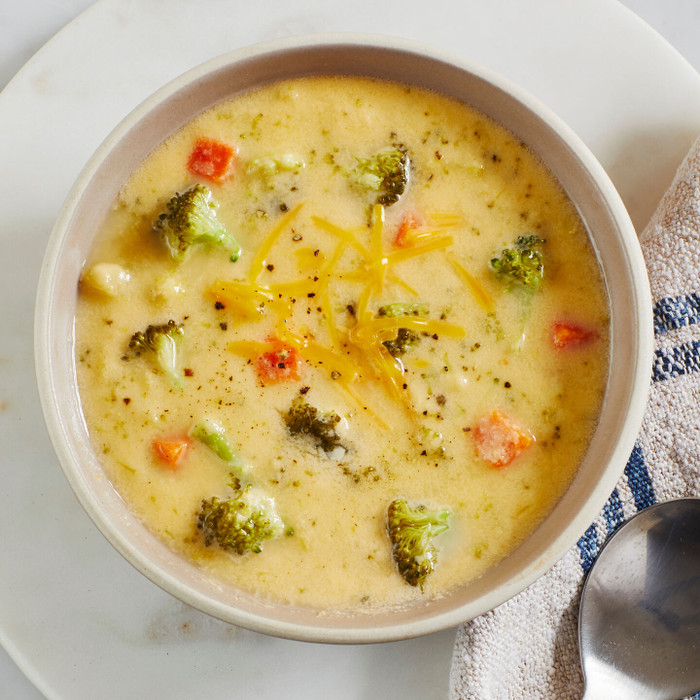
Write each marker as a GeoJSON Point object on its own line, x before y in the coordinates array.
{"type": "Point", "coordinates": [400, 308]}
{"type": "Point", "coordinates": [432, 441]}
{"type": "Point", "coordinates": [385, 173]}
{"type": "Point", "coordinates": [190, 219]}
{"type": "Point", "coordinates": [404, 341]}
{"type": "Point", "coordinates": [411, 530]}
{"type": "Point", "coordinates": [304, 419]}
{"type": "Point", "coordinates": [212, 434]}
{"type": "Point", "coordinates": [241, 523]}
{"type": "Point", "coordinates": [163, 342]}
{"type": "Point", "coordinates": [522, 265]}
{"type": "Point", "coordinates": [405, 337]}
{"type": "Point", "coordinates": [273, 165]}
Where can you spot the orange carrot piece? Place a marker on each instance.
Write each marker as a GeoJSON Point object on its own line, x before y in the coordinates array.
{"type": "Point", "coordinates": [409, 223]}
{"type": "Point", "coordinates": [281, 364]}
{"type": "Point", "coordinates": [566, 335]}
{"type": "Point", "coordinates": [171, 450]}
{"type": "Point", "coordinates": [499, 440]}
{"type": "Point", "coordinates": [211, 159]}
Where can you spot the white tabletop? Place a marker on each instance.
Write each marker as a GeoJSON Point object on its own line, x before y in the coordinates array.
{"type": "Point", "coordinates": [26, 26]}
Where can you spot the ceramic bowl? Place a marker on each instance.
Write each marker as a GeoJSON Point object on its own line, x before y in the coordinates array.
{"type": "Point", "coordinates": [600, 207]}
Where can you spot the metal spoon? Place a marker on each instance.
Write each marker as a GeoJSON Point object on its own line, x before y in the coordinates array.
{"type": "Point", "coordinates": [639, 620]}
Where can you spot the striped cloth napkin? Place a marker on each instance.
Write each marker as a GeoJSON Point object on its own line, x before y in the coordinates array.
{"type": "Point", "coordinates": [527, 649]}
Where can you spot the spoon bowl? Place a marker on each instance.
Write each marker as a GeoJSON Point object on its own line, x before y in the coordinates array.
{"type": "Point", "coordinates": [639, 619]}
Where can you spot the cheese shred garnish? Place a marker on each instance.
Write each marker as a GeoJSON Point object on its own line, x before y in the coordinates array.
{"type": "Point", "coordinates": [349, 354]}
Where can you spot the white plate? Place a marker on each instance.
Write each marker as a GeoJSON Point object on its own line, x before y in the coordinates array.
{"type": "Point", "coordinates": [77, 619]}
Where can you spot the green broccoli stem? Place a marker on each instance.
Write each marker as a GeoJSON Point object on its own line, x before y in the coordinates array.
{"type": "Point", "coordinates": [213, 435]}
{"type": "Point", "coordinates": [525, 312]}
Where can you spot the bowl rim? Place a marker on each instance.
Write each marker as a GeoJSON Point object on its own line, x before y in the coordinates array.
{"type": "Point", "coordinates": [639, 371]}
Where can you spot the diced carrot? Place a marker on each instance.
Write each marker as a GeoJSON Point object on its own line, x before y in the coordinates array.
{"type": "Point", "coordinates": [499, 440]}
{"type": "Point", "coordinates": [211, 159]}
{"type": "Point", "coordinates": [281, 364]}
{"type": "Point", "coordinates": [566, 335]}
{"type": "Point", "coordinates": [171, 450]}
{"type": "Point", "coordinates": [410, 222]}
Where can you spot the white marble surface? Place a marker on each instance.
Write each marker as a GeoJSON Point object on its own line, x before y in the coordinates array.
{"type": "Point", "coordinates": [24, 28]}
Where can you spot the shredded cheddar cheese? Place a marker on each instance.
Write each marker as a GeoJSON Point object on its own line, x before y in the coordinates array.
{"type": "Point", "coordinates": [482, 297]}
{"type": "Point", "coordinates": [371, 329]}
{"type": "Point", "coordinates": [244, 300]}
{"type": "Point", "coordinates": [412, 252]}
{"type": "Point", "coordinates": [361, 345]}
{"type": "Point", "coordinates": [258, 263]}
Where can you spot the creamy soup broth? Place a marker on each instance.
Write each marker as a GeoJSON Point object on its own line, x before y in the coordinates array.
{"type": "Point", "coordinates": [291, 203]}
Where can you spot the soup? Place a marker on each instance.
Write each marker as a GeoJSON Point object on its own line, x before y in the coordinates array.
{"type": "Point", "coordinates": [329, 307]}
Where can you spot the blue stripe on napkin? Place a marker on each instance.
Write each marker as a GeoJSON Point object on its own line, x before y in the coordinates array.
{"type": "Point", "coordinates": [673, 312]}
{"type": "Point", "coordinates": [643, 495]}
{"type": "Point", "coordinates": [613, 513]}
{"type": "Point", "coordinates": [674, 362]}
{"type": "Point", "coordinates": [639, 480]}
{"type": "Point", "coordinates": [588, 546]}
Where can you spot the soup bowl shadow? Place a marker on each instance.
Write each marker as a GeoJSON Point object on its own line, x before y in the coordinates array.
{"type": "Point", "coordinates": [608, 225]}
